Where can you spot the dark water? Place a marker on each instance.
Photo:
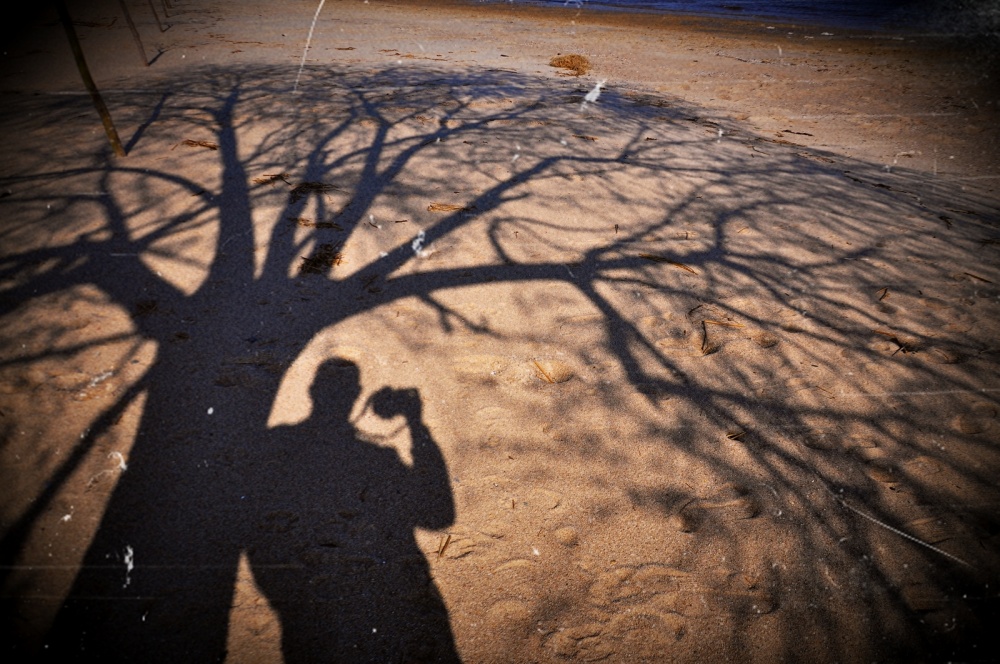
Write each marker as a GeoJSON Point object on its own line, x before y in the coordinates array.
{"type": "Point", "coordinates": [941, 16]}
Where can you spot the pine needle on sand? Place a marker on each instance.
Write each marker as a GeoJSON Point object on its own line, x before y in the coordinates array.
{"type": "Point", "coordinates": [448, 207]}
{"type": "Point", "coordinates": [200, 144]}
{"type": "Point", "coordinates": [271, 178]}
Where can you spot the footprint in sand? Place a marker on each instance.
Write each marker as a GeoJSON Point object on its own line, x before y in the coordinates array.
{"type": "Point", "coordinates": [663, 591]}
{"type": "Point", "coordinates": [923, 466]}
{"type": "Point", "coordinates": [584, 643]}
{"type": "Point", "coordinates": [567, 536]}
{"type": "Point", "coordinates": [978, 419]}
{"type": "Point", "coordinates": [479, 368]}
{"type": "Point", "coordinates": [656, 391]}
{"type": "Point", "coordinates": [629, 585]}
{"type": "Point", "coordinates": [655, 324]}
{"type": "Point", "coordinates": [454, 547]}
{"type": "Point", "coordinates": [932, 529]}
{"type": "Point", "coordinates": [941, 314]}
{"type": "Point", "coordinates": [492, 425]}
{"type": "Point", "coordinates": [543, 499]}
{"type": "Point", "coordinates": [859, 443]}
{"type": "Point", "coordinates": [519, 568]}
{"type": "Point", "coordinates": [764, 339]}
{"type": "Point", "coordinates": [491, 103]}
{"type": "Point", "coordinates": [886, 308]}
{"type": "Point", "coordinates": [731, 503]}
{"type": "Point", "coordinates": [645, 636]}
{"type": "Point", "coordinates": [924, 597]}
{"type": "Point", "coordinates": [679, 340]}
{"type": "Point", "coordinates": [941, 354]}
{"type": "Point", "coordinates": [877, 464]}
{"type": "Point", "coordinates": [581, 324]}
{"type": "Point", "coordinates": [639, 636]}
{"type": "Point", "coordinates": [935, 303]}
{"type": "Point", "coordinates": [826, 440]}
{"type": "Point", "coordinates": [675, 337]}
{"type": "Point", "coordinates": [511, 617]}
{"type": "Point", "coordinates": [736, 592]}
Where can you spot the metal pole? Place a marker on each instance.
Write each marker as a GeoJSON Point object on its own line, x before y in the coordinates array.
{"type": "Point", "coordinates": [95, 95]}
{"type": "Point", "coordinates": [135, 33]}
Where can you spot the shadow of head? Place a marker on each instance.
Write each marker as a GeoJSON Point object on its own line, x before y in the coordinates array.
{"type": "Point", "coordinates": [335, 388]}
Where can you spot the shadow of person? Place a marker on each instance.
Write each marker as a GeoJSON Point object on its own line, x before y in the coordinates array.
{"type": "Point", "coordinates": [333, 549]}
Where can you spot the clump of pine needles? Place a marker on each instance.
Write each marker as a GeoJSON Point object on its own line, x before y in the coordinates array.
{"type": "Point", "coordinates": [324, 258]}
{"type": "Point", "coordinates": [577, 65]}
{"type": "Point", "coordinates": [302, 190]}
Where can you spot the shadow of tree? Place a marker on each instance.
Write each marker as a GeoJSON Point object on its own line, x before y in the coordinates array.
{"type": "Point", "coordinates": [780, 361]}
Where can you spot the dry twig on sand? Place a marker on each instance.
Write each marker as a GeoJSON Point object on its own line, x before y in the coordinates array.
{"type": "Point", "coordinates": [722, 323]}
{"type": "Point", "coordinates": [309, 223]}
{"type": "Point", "coordinates": [271, 178]}
{"type": "Point", "coordinates": [200, 144]}
{"type": "Point", "coordinates": [904, 345]}
{"type": "Point", "coordinates": [661, 259]}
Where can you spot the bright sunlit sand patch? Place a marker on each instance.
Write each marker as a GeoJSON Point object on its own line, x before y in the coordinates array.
{"type": "Point", "coordinates": [254, 627]}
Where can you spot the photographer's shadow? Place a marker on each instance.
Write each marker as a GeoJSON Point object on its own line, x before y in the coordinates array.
{"type": "Point", "coordinates": [333, 545]}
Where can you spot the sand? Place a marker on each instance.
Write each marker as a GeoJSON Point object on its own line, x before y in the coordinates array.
{"type": "Point", "coordinates": [449, 355]}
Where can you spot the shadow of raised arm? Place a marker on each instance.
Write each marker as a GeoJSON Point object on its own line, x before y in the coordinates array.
{"type": "Point", "coordinates": [429, 471]}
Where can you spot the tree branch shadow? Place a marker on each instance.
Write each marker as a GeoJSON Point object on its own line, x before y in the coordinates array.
{"type": "Point", "coordinates": [701, 309]}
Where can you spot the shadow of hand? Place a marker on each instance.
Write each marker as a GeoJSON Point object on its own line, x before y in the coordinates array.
{"type": "Point", "coordinates": [388, 403]}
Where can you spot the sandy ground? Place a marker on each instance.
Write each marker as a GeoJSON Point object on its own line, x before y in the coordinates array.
{"type": "Point", "coordinates": [447, 355]}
